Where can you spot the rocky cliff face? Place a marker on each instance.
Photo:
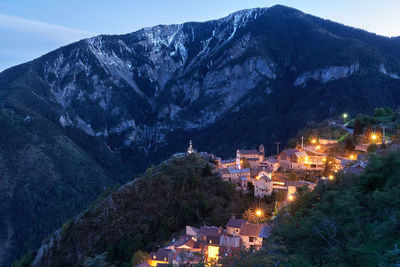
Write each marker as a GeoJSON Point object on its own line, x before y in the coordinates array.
{"type": "Point", "coordinates": [255, 76]}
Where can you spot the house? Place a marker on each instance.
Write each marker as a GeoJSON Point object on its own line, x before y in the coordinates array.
{"type": "Point", "coordinates": [315, 162]}
{"type": "Point", "coordinates": [271, 163]}
{"type": "Point", "coordinates": [263, 186]}
{"type": "Point", "coordinates": [292, 158]}
{"type": "Point", "coordinates": [254, 157]}
{"type": "Point", "coordinates": [250, 235]}
{"type": "Point", "coordinates": [259, 172]}
{"type": "Point", "coordinates": [293, 185]}
{"type": "Point", "coordinates": [233, 226]}
{"type": "Point", "coordinates": [192, 231]}
{"type": "Point", "coordinates": [211, 231]}
{"type": "Point", "coordinates": [233, 175]}
{"type": "Point", "coordinates": [212, 252]}
{"type": "Point", "coordinates": [162, 256]}
{"type": "Point", "coordinates": [187, 251]}
{"type": "Point", "coordinates": [244, 181]}
{"type": "Point", "coordinates": [361, 147]}
{"type": "Point", "coordinates": [229, 163]}
{"type": "Point", "coordinates": [357, 168]}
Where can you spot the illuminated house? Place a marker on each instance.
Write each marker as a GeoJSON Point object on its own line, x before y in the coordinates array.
{"type": "Point", "coordinates": [270, 163]}
{"type": "Point", "coordinates": [162, 256]}
{"type": "Point", "coordinates": [233, 175]}
{"type": "Point", "coordinates": [250, 235]}
{"type": "Point", "coordinates": [229, 163]}
{"type": "Point", "coordinates": [254, 157]}
{"type": "Point", "coordinates": [263, 186]}
{"type": "Point", "coordinates": [291, 158]}
{"type": "Point", "coordinates": [233, 226]}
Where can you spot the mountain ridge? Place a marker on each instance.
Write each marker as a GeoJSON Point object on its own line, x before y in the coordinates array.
{"type": "Point", "coordinates": [255, 76]}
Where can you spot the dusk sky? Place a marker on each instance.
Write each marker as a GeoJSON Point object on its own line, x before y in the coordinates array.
{"type": "Point", "coordinates": [28, 29]}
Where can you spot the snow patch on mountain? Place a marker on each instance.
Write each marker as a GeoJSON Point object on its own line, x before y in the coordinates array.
{"type": "Point", "coordinates": [87, 128]}
{"type": "Point", "coordinates": [393, 75]}
{"type": "Point", "coordinates": [327, 74]}
{"type": "Point", "coordinates": [65, 121]}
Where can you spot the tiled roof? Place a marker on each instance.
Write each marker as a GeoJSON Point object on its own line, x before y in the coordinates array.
{"type": "Point", "coordinates": [290, 152]}
{"type": "Point", "coordinates": [301, 154]}
{"type": "Point", "coordinates": [227, 161]}
{"type": "Point", "coordinates": [235, 223]}
{"type": "Point", "coordinates": [224, 171]}
{"type": "Point", "coordinates": [210, 231]}
{"type": "Point", "coordinates": [270, 160]}
{"type": "Point", "coordinates": [249, 152]}
{"type": "Point", "coordinates": [238, 170]}
{"type": "Point", "coordinates": [250, 229]}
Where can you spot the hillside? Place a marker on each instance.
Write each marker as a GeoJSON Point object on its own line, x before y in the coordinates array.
{"type": "Point", "coordinates": [353, 221]}
{"type": "Point", "coordinates": [42, 181]}
{"type": "Point", "coordinates": [108, 106]}
{"type": "Point", "coordinates": [144, 213]}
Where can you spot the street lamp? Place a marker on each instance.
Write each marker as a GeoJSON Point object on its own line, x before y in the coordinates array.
{"type": "Point", "coordinates": [314, 141]}
{"type": "Point", "coordinates": [258, 213]}
{"type": "Point", "coordinates": [290, 197]}
{"type": "Point", "coordinates": [331, 177]}
{"type": "Point", "coordinates": [344, 115]}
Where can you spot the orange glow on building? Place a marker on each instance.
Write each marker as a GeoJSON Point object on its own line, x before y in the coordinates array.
{"type": "Point", "coordinates": [213, 253]}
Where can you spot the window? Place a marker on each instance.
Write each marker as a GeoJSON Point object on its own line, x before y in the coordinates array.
{"type": "Point", "coordinates": [251, 239]}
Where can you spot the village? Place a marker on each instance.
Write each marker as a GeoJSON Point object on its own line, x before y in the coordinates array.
{"type": "Point", "coordinates": [313, 160]}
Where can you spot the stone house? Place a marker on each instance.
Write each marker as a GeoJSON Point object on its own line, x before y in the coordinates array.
{"type": "Point", "coordinates": [250, 235]}
{"type": "Point", "coordinates": [233, 226]}
{"type": "Point", "coordinates": [263, 186]}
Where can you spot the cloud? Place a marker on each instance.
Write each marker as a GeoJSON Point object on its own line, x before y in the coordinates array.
{"type": "Point", "coordinates": [23, 39]}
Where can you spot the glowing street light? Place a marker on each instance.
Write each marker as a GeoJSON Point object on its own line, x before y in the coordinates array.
{"type": "Point", "coordinates": [352, 157]}
{"type": "Point", "coordinates": [345, 115]}
{"type": "Point", "coordinates": [290, 197]}
{"type": "Point", "coordinates": [314, 141]}
{"type": "Point", "coordinates": [374, 137]}
{"type": "Point", "coordinates": [258, 213]}
{"type": "Point", "coordinates": [331, 177]}
{"type": "Point", "coordinates": [317, 147]}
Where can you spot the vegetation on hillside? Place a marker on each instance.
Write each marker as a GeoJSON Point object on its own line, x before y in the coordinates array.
{"type": "Point", "coordinates": [352, 221]}
{"type": "Point", "coordinates": [45, 178]}
{"type": "Point", "coordinates": [147, 212]}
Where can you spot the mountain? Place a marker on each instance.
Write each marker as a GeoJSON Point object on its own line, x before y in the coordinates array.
{"type": "Point", "coordinates": [96, 112]}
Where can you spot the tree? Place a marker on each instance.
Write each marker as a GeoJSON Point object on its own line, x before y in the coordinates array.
{"type": "Point", "coordinates": [372, 148]}
{"type": "Point", "coordinates": [349, 143]}
{"type": "Point", "coordinates": [379, 112]}
{"type": "Point", "coordinates": [358, 127]}
{"type": "Point", "coordinates": [96, 261]}
{"type": "Point", "coordinates": [207, 170]}
{"type": "Point", "coordinates": [244, 163]}
{"type": "Point", "coordinates": [388, 110]}
{"type": "Point", "coordinates": [293, 176]}
{"type": "Point", "coordinates": [139, 257]}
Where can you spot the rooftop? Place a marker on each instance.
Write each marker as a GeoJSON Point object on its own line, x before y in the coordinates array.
{"type": "Point", "coordinates": [235, 223]}
{"type": "Point", "coordinates": [251, 229]}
